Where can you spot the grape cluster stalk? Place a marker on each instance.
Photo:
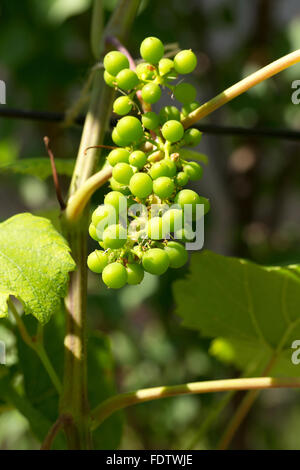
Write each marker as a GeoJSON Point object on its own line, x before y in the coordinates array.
{"type": "Point", "coordinates": [149, 172]}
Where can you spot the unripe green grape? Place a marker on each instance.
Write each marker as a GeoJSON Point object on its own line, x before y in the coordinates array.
{"type": "Point", "coordinates": [172, 131]}
{"type": "Point", "coordinates": [114, 236]}
{"type": "Point", "coordinates": [138, 159]}
{"type": "Point", "coordinates": [97, 261]}
{"type": "Point", "coordinates": [188, 197]}
{"type": "Point", "coordinates": [184, 234]}
{"type": "Point", "coordinates": [106, 211]}
{"type": "Point", "coordinates": [114, 62]}
{"type": "Point", "coordinates": [151, 93]}
{"type": "Point", "coordinates": [185, 93]}
{"type": "Point", "coordinates": [129, 129]}
{"type": "Point", "coordinates": [182, 178]}
{"type": "Point", "coordinates": [150, 120]}
{"type": "Point", "coordinates": [192, 137]}
{"type": "Point", "coordinates": [93, 232]}
{"type": "Point", "coordinates": [127, 79]}
{"type": "Point", "coordinates": [159, 169]}
{"type": "Point", "coordinates": [172, 168]}
{"type": "Point", "coordinates": [172, 219]}
{"type": "Point", "coordinates": [114, 275]}
{"type": "Point", "coordinates": [189, 108]}
{"type": "Point", "coordinates": [122, 105]}
{"type": "Point", "coordinates": [141, 185]}
{"type": "Point", "coordinates": [109, 79]}
{"type": "Point", "coordinates": [118, 140]}
{"type": "Point", "coordinates": [152, 50]}
{"type": "Point", "coordinates": [115, 186]}
{"type": "Point", "coordinates": [155, 229]}
{"type": "Point", "coordinates": [169, 113]}
{"type": "Point", "coordinates": [155, 261]}
{"type": "Point", "coordinates": [163, 187]}
{"type": "Point", "coordinates": [165, 66]}
{"type": "Point", "coordinates": [135, 273]}
{"type": "Point", "coordinates": [145, 71]}
{"type": "Point", "coordinates": [115, 199]}
{"type": "Point", "coordinates": [122, 173]}
{"type": "Point", "coordinates": [177, 254]}
{"type": "Point", "coordinates": [185, 61]}
{"type": "Point", "coordinates": [117, 156]}
{"type": "Point", "coordinates": [193, 170]}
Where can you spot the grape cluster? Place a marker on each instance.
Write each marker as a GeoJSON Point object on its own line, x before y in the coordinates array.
{"type": "Point", "coordinates": [148, 169]}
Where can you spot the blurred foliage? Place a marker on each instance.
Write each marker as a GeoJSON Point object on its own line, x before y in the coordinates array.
{"type": "Point", "coordinates": [253, 184]}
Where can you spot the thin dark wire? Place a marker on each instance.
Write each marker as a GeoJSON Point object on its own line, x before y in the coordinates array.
{"type": "Point", "coordinates": [207, 128]}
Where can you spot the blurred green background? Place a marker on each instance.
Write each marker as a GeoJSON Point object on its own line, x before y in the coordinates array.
{"type": "Point", "coordinates": [253, 185]}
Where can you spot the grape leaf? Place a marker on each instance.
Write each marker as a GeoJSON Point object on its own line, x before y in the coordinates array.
{"type": "Point", "coordinates": [192, 155]}
{"type": "Point", "coordinates": [34, 265]}
{"type": "Point", "coordinates": [38, 167]}
{"type": "Point", "coordinates": [254, 309]}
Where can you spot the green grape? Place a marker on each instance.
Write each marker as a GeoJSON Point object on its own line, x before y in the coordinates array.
{"type": "Point", "coordinates": [122, 173]}
{"type": "Point", "coordinates": [151, 93]}
{"type": "Point", "coordinates": [159, 169]}
{"type": "Point", "coordinates": [122, 105]}
{"type": "Point", "coordinates": [114, 62]}
{"type": "Point", "coordinates": [104, 212]}
{"type": "Point", "coordinates": [185, 62]}
{"type": "Point", "coordinates": [185, 234]}
{"type": "Point", "coordinates": [185, 93]}
{"type": "Point", "coordinates": [192, 137]}
{"type": "Point", "coordinates": [193, 170]}
{"type": "Point", "coordinates": [172, 131]}
{"type": "Point", "coordinates": [129, 129]}
{"type": "Point", "coordinates": [172, 168]}
{"type": "Point", "coordinates": [150, 120]}
{"type": "Point", "coordinates": [141, 185]}
{"type": "Point", "coordinates": [135, 273]}
{"type": "Point", "coordinates": [155, 261]}
{"type": "Point", "coordinates": [168, 112]}
{"type": "Point", "coordinates": [115, 199]}
{"type": "Point", "coordinates": [163, 187]}
{"type": "Point", "coordinates": [118, 140]}
{"type": "Point", "coordinates": [152, 50]}
{"type": "Point", "coordinates": [138, 159]}
{"type": "Point", "coordinates": [145, 71]}
{"type": "Point", "coordinates": [127, 79]}
{"type": "Point", "coordinates": [188, 197]}
{"type": "Point", "coordinates": [117, 156]}
{"type": "Point", "coordinates": [177, 254]}
{"type": "Point", "coordinates": [93, 232]}
{"type": "Point", "coordinates": [109, 79]}
{"type": "Point", "coordinates": [189, 108]}
{"type": "Point", "coordinates": [114, 236]}
{"type": "Point", "coordinates": [114, 275]}
{"type": "Point", "coordinates": [155, 229]}
{"type": "Point", "coordinates": [115, 186]}
{"type": "Point", "coordinates": [165, 66]}
{"type": "Point", "coordinates": [172, 219]}
{"type": "Point", "coordinates": [97, 261]}
{"type": "Point", "coordinates": [182, 178]}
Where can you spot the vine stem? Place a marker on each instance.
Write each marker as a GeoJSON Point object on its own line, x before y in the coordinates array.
{"type": "Point", "coordinates": [74, 399]}
{"type": "Point", "coordinates": [242, 86]}
{"type": "Point", "coordinates": [119, 402]}
{"type": "Point", "coordinates": [37, 346]}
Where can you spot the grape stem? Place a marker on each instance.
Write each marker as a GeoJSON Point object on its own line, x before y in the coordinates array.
{"type": "Point", "coordinates": [242, 86]}
{"type": "Point", "coordinates": [121, 401]}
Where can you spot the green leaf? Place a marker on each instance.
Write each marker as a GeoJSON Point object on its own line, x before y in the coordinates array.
{"type": "Point", "coordinates": [255, 310]}
{"type": "Point", "coordinates": [192, 155]}
{"type": "Point", "coordinates": [38, 167]}
{"type": "Point", "coordinates": [34, 265]}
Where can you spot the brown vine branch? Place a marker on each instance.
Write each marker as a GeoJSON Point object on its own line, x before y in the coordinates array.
{"type": "Point", "coordinates": [54, 174]}
{"type": "Point", "coordinates": [59, 424]}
